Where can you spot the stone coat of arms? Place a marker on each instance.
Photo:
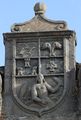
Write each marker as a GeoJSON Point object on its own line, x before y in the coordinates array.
{"type": "Point", "coordinates": [38, 74]}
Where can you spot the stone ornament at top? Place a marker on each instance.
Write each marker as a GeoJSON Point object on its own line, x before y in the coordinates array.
{"type": "Point", "coordinates": [39, 22]}
{"type": "Point", "coordinates": [39, 8]}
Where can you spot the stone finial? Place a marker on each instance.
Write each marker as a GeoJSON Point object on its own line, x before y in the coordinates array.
{"type": "Point", "coordinates": [39, 8]}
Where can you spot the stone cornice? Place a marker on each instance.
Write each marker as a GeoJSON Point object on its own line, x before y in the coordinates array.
{"type": "Point", "coordinates": [37, 34]}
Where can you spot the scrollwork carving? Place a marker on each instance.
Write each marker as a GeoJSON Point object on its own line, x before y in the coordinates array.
{"type": "Point", "coordinates": [26, 52]}
{"type": "Point", "coordinates": [51, 47]}
{"type": "Point", "coordinates": [47, 46]}
{"type": "Point", "coordinates": [56, 45]}
{"type": "Point", "coordinates": [51, 66]}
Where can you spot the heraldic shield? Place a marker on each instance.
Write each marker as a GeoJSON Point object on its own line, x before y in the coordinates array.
{"type": "Point", "coordinates": [39, 82]}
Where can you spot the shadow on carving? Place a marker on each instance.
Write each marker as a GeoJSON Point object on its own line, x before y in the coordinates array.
{"type": "Point", "coordinates": [1, 92]}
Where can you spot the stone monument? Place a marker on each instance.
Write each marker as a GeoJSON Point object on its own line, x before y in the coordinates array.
{"type": "Point", "coordinates": [40, 70]}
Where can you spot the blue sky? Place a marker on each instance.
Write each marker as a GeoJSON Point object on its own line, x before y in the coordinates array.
{"type": "Point", "coordinates": [18, 11]}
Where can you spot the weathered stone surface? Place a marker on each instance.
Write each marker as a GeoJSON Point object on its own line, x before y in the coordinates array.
{"type": "Point", "coordinates": [39, 23]}
{"type": "Point", "coordinates": [40, 81]}
{"type": "Point", "coordinates": [47, 53]}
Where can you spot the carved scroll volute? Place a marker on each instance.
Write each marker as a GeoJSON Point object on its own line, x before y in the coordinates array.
{"type": "Point", "coordinates": [51, 47]}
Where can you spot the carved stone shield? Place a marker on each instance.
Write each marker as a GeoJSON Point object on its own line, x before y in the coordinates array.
{"type": "Point", "coordinates": [39, 73]}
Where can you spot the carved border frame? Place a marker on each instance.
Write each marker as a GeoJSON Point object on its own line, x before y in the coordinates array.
{"type": "Point", "coordinates": [66, 70]}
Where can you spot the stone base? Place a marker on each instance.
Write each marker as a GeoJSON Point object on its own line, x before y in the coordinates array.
{"type": "Point", "coordinates": [71, 117]}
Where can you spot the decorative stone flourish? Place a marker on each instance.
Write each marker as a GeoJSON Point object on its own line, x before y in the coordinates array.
{"type": "Point", "coordinates": [52, 66]}
{"type": "Point", "coordinates": [51, 47]}
{"type": "Point", "coordinates": [39, 22]}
